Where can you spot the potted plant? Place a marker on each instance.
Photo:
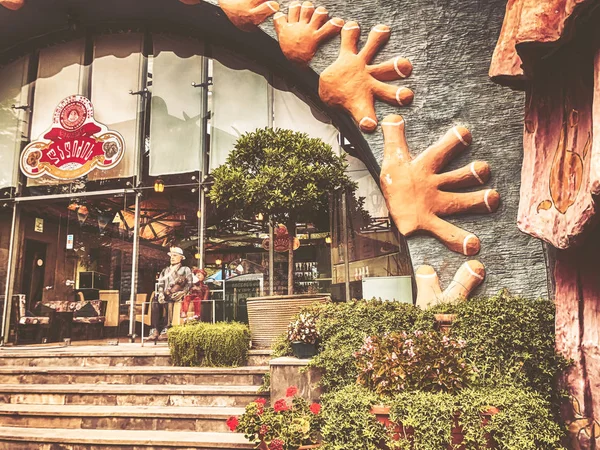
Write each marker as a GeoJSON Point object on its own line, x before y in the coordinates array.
{"type": "Point", "coordinates": [287, 177]}
{"type": "Point", "coordinates": [290, 424]}
{"type": "Point", "coordinates": [303, 335]}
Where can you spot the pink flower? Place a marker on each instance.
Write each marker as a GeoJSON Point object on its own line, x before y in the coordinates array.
{"type": "Point", "coordinates": [232, 423]}
{"type": "Point", "coordinates": [291, 391]}
{"type": "Point", "coordinates": [261, 401]}
{"type": "Point", "coordinates": [315, 408]}
{"type": "Point", "coordinates": [276, 444]}
{"type": "Point", "coordinates": [280, 405]}
{"type": "Point", "coordinates": [264, 429]}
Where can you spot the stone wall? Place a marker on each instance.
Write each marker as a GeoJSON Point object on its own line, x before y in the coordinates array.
{"type": "Point", "coordinates": [450, 44]}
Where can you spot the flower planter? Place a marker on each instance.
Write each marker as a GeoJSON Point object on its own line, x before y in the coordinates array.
{"type": "Point", "coordinates": [263, 446]}
{"type": "Point", "coordinates": [382, 413]}
{"type": "Point", "coordinates": [268, 317]}
{"type": "Point", "coordinates": [444, 321]}
{"type": "Point", "coordinates": [302, 350]}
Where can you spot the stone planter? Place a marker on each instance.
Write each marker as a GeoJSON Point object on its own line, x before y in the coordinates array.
{"type": "Point", "coordinates": [302, 350]}
{"type": "Point", "coordinates": [444, 321]}
{"type": "Point", "coordinates": [268, 317]}
{"type": "Point", "coordinates": [382, 413]}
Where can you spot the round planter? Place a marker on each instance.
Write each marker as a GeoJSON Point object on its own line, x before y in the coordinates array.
{"type": "Point", "coordinates": [263, 446]}
{"type": "Point", "coordinates": [302, 350]}
{"type": "Point", "coordinates": [268, 317]}
{"type": "Point", "coordinates": [444, 321]}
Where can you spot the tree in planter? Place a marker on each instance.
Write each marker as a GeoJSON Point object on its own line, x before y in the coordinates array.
{"type": "Point", "coordinates": [284, 175]}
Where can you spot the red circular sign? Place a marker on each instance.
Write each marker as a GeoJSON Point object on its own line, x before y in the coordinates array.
{"type": "Point", "coordinates": [73, 115]}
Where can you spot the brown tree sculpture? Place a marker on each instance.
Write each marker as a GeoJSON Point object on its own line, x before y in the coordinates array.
{"type": "Point", "coordinates": [12, 4]}
{"type": "Point", "coordinates": [353, 84]}
{"type": "Point", "coordinates": [303, 30]}
{"type": "Point", "coordinates": [467, 278]}
{"type": "Point", "coordinates": [417, 195]}
{"type": "Point", "coordinates": [248, 14]}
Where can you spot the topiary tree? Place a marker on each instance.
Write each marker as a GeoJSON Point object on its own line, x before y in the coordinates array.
{"type": "Point", "coordinates": [285, 175]}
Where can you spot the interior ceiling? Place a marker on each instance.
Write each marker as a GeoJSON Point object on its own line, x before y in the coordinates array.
{"type": "Point", "coordinates": [43, 22]}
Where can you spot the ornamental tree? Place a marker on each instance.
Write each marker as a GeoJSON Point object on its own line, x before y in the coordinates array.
{"type": "Point", "coordinates": [285, 175]}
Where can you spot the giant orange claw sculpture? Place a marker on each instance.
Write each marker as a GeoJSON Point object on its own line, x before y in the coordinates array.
{"type": "Point", "coordinates": [303, 30]}
{"type": "Point", "coordinates": [417, 196]}
{"type": "Point", "coordinates": [467, 278]}
{"type": "Point", "coordinates": [353, 84]}
{"type": "Point", "coordinates": [12, 4]}
{"type": "Point", "coordinates": [248, 14]}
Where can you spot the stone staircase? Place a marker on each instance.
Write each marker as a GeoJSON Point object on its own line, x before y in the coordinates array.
{"type": "Point", "coordinates": [122, 397]}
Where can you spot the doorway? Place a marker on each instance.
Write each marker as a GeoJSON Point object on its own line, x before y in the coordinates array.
{"type": "Point", "coordinates": [35, 268]}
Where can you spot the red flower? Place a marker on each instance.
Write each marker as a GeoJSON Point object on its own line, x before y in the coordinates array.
{"type": "Point", "coordinates": [261, 401]}
{"type": "Point", "coordinates": [315, 408]}
{"type": "Point", "coordinates": [264, 429]}
{"type": "Point", "coordinates": [291, 391]}
{"type": "Point", "coordinates": [232, 423]}
{"type": "Point", "coordinates": [276, 444]}
{"type": "Point", "coordinates": [280, 405]}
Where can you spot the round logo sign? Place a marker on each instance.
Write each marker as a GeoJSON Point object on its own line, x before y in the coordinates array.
{"type": "Point", "coordinates": [73, 115]}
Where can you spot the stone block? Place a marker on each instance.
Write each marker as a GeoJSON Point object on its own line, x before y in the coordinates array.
{"type": "Point", "coordinates": [290, 371]}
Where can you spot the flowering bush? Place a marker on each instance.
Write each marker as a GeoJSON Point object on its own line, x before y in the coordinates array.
{"type": "Point", "coordinates": [289, 424]}
{"type": "Point", "coordinates": [425, 361]}
{"type": "Point", "coordinates": [303, 329]}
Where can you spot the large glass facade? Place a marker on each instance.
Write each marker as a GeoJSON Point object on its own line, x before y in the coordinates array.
{"type": "Point", "coordinates": [105, 238]}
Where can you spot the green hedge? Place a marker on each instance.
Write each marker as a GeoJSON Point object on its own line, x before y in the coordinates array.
{"type": "Point", "coordinates": [206, 344]}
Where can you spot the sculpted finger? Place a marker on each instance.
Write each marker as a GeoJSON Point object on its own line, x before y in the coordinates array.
{"type": "Point", "coordinates": [453, 237]}
{"type": "Point", "coordinates": [263, 11]}
{"type": "Point", "coordinates": [469, 202]}
{"type": "Point", "coordinates": [475, 174]}
{"type": "Point", "coordinates": [428, 287]}
{"type": "Point", "coordinates": [331, 28]}
{"type": "Point", "coordinates": [467, 278]}
{"type": "Point", "coordinates": [294, 12]}
{"type": "Point", "coordinates": [279, 21]}
{"type": "Point", "coordinates": [395, 149]}
{"type": "Point", "coordinates": [378, 36]}
{"type": "Point", "coordinates": [306, 12]}
{"type": "Point", "coordinates": [393, 69]}
{"type": "Point", "coordinates": [319, 18]}
{"type": "Point", "coordinates": [350, 36]}
{"type": "Point", "coordinates": [394, 95]}
{"type": "Point", "coordinates": [453, 142]}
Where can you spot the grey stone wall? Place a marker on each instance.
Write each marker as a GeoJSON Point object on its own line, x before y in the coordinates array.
{"type": "Point", "coordinates": [450, 44]}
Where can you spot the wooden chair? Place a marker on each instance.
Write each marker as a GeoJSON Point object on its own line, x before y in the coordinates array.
{"type": "Point", "coordinates": [39, 325]}
{"type": "Point", "coordinates": [112, 307]}
{"type": "Point", "coordinates": [140, 299]}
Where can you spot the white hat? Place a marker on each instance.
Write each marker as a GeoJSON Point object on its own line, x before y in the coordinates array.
{"type": "Point", "coordinates": [176, 251]}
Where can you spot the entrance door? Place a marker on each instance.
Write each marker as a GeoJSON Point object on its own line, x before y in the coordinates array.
{"type": "Point", "coordinates": [33, 275]}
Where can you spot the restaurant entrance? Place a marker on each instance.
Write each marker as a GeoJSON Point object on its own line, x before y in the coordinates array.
{"type": "Point", "coordinates": [33, 275]}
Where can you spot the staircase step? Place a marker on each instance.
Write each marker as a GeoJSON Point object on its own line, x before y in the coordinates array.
{"type": "Point", "coordinates": [50, 439]}
{"type": "Point", "coordinates": [102, 356]}
{"type": "Point", "coordinates": [165, 418]}
{"type": "Point", "coordinates": [134, 375]}
{"type": "Point", "coordinates": [128, 395]}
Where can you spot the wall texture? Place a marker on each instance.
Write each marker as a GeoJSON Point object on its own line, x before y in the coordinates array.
{"type": "Point", "coordinates": [450, 45]}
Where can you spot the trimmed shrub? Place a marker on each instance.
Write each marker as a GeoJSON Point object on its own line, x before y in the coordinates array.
{"type": "Point", "coordinates": [206, 344]}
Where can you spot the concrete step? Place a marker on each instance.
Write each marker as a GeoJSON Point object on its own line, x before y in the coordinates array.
{"type": "Point", "coordinates": [226, 376]}
{"type": "Point", "coordinates": [128, 355]}
{"type": "Point", "coordinates": [15, 438]}
{"type": "Point", "coordinates": [128, 394]}
{"type": "Point", "coordinates": [165, 418]}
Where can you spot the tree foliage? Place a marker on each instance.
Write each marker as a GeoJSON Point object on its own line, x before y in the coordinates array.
{"type": "Point", "coordinates": [285, 175]}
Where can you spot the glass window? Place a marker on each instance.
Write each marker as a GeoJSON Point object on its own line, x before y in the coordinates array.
{"type": "Point", "coordinates": [14, 91]}
{"type": "Point", "coordinates": [117, 70]}
{"type": "Point", "coordinates": [176, 120]}
{"type": "Point", "coordinates": [240, 103]}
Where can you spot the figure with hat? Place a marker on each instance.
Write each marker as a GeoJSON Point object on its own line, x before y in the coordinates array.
{"type": "Point", "coordinates": [198, 293]}
{"type": "Point", "coordinates": [172, 285]}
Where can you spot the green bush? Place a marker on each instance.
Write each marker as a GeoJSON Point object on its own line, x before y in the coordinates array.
{"type": "Point", "coordinates": [348, 422]}
{"type": "Point", "coordinates": [523, 422]}
{"type": "Point", "coordinates": [512, 341]}
{"type": "Point", "coordinates": [206, 344]}
{"type": "Point", "coordinates": [281, 346]}
{"type": "Point", "coordinates": [343, 328]}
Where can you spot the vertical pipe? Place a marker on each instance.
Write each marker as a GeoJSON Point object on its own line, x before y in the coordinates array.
{"type": "Point", "coordinates": [9, 275]}
{"type": "Point", "coordinates": [134, 268]}
{"type": "Point", "coordinates": [345, 238]}
{"type": "Point", "coordinates": [271, 259]}
{"type": "Point", "coordinates": [205, 114]}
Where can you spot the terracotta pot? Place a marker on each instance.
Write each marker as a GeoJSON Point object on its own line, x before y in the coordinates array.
{"type": "Point", "coordinates": [444, 321]}
{"type": "Point", "coordinates": [382, 413]}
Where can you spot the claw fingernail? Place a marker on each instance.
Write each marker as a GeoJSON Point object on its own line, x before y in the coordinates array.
{"type": "Point", "coordinates": [351, 26]}
{"type": "Point", "coordinates": [321, 10]}
{"type": "Point", "coordinates": [368, 124]}
{"type": "Point", "coordinates": [473, 248]}
{"type": "Point", "coordinates": [397, 69]}
{"type": "Point", "coordinates": [381, 29]}
{"type": "Point", "coordinates": [273, 5]}
{"type": "Point", "coordinates": [404, 96]}
{"type": "Point", "coordinates": [337, 22]}
{"type": "Point", "coordinates": [476, 175]}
